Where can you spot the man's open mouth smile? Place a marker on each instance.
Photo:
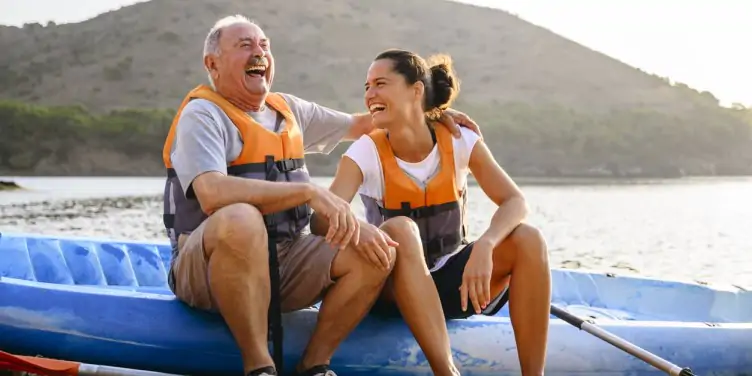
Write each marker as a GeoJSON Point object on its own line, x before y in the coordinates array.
{"type": "Point", "coordinates": [256, 71]}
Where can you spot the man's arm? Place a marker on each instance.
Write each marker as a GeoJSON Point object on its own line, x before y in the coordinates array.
{"type": "Point", "coordinates": [361, 125]}
{"type": "Point", "coordinates": [452, 119]}
{"type": "Point", "coordinates": [324, 128]}
{"type": "Point", "coordinates": [215, 190]}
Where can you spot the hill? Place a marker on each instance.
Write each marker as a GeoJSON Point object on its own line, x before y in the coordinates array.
{"type": "Point", "coordinates": [548, 106]}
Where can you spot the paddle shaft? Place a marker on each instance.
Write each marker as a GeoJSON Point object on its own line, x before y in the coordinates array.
{"type": "Point", "coordinates": [95, 370]}
{"type": "Point", "coordinates": [634, 350]}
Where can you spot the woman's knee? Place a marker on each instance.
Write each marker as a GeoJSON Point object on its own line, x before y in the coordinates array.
{"type": "Point", "coordinates": [405, 231]}
{"type": "Point", "coordinates": [400, 227]}
{"type": "Point", "coordinates": [530, 243]}
{"type": "Point", "coordinates": [349, 261]}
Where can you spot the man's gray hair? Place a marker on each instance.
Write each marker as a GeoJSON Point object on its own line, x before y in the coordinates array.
{"type": "Point", "coordinates": [211, 43]}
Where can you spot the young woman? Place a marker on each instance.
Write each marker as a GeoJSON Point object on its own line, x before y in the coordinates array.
{"type": "Point", "coordinates": [412, 179]}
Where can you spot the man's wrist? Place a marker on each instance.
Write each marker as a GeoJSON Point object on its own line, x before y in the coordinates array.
{"type": "Point", "coordinates": [309, 191]}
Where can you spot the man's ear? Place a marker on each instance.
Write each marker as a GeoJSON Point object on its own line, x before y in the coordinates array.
{"type": "Point", "coordinates": [210, 62]}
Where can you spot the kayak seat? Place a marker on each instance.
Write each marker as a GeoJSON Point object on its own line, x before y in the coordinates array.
{"type": "Point", "coordinates": [84, 262]}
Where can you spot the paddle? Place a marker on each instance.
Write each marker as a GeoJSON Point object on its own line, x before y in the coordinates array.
{"type": "Point", "coordinates": [54, 367]}
{"type": "Point", "coordinates": [632, 349]}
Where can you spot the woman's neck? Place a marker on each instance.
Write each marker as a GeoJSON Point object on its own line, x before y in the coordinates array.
{"type": "Point", "coordinates": [411, 141]}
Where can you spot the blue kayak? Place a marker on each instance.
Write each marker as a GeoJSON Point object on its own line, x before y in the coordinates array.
{"type": "Point", "coordinates": [106, 302]}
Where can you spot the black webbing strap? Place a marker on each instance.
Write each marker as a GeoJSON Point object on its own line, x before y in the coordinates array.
{"type": "Point", "coordinates": [275, 306]}
{"type": "Point", "coordinates": [418, 213]}
{"type": "Point", "coordinates": [284, 165]}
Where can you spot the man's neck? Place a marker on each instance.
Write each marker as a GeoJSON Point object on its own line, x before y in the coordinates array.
{"type": "Point", "coordinates": [243, 102]}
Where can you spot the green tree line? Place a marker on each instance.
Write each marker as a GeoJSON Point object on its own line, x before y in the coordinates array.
{"type": "Point", "coordinates": [529, 140]}
{"type": "Point", "coordinates": [69, 140]}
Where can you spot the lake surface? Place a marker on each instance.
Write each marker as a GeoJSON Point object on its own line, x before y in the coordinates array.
{"type": "Point", "coordinates": [689, 229]}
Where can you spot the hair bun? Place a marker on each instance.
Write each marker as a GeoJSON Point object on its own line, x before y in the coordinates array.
{"type": "Point", "coordinates": [444, 83]}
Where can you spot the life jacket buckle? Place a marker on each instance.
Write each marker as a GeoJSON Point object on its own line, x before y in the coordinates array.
{"type": "Point", "coordinates": [407, 211]}
{"type": "Point", "coordinates": [287, 165]}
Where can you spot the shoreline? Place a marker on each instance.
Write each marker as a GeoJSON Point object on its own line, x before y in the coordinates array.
{"type": "Point", "coordinates": [9, 180]}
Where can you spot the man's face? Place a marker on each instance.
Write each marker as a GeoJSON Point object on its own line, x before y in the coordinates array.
{"type": "Point", "coordinates": [245, 66]}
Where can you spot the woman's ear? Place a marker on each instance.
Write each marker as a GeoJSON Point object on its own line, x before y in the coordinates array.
{"type": "Point", "coordinates": [419, 90]}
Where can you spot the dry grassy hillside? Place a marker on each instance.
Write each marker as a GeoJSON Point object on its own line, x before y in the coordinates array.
{"type": "Point", "coordinates": [149, 55]}
{"type": "Point", "coordinates": [549, 105]}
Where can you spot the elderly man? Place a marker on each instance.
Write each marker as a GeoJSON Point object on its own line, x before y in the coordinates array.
{"type": "Point", "coordinates": [235, 164]}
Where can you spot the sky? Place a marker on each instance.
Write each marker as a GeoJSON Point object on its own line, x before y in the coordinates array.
{"type": "Point", "coordinates": [697, 42]}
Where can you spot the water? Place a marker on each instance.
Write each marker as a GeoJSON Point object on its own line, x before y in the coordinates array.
{"type": "Point", "coordinates": [690, 229]}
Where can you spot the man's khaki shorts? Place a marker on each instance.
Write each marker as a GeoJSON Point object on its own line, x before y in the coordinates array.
{"type": "Point", "coordinates": [304, 267]}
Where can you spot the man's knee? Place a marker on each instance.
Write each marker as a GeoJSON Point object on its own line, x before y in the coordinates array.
{"type": "Point", "coordinates": [236, 227]}
{"type": "Point", "coordinates": [405, 231]}
{"type": "Point", "coordinates": [374, 273]}
{"type": "Point", "coordinates": [530, 243]}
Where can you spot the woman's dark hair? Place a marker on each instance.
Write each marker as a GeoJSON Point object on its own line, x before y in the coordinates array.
{"type": "Point", "coordinates": [438, 77]}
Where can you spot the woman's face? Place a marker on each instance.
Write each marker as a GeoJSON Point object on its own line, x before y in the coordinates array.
{"type": "Point", "coordinates": [388, 97]}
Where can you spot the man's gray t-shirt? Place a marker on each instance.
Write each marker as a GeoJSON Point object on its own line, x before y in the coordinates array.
{"type": "Point", "coordinates": [207, 140]}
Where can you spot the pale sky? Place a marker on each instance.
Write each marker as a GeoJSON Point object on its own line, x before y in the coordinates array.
{"type": "Point", "coordinates": [703, 43]}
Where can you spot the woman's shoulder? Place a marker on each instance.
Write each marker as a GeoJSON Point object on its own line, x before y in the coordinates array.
{"type": "Point", "coordinates": [467, 140]}
{"type": "Point", "coordinates": [362, 151]}
{"type": "Point", "coordinates": [363, 144]}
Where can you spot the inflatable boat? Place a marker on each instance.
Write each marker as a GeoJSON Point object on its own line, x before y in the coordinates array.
{"type": "Point", "coordinates": [102, 301]}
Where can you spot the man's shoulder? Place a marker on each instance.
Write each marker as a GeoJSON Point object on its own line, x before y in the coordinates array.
{"type": "Point", "coordinates": [204, 113]}
{"type": "Point", "coordinates": [295, 103]}
{"type": "Point", "coordinates": [199, 106]}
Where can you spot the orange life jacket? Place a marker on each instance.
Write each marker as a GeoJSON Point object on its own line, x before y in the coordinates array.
{"type": "Point", "coordinates": [266, 155]}
{"type": "Point", "coordinates": [438, 209]}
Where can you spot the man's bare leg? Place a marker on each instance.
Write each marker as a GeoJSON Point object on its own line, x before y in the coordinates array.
{"type": "Point", "coordinates": [413, 290]}
{"type": "Point", "coordinates": [235, 243]}
{"type": "Point", "coordinates": [524, 254]}
{"type": "Point", "coordinates": [357, 285]}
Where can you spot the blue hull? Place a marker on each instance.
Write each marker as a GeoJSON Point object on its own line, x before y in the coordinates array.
{"type": "Point", "coordinates": [106, 302]}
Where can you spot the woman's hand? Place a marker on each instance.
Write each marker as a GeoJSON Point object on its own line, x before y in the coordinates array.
{"type": "Point", "coordinates": [476, 280]}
